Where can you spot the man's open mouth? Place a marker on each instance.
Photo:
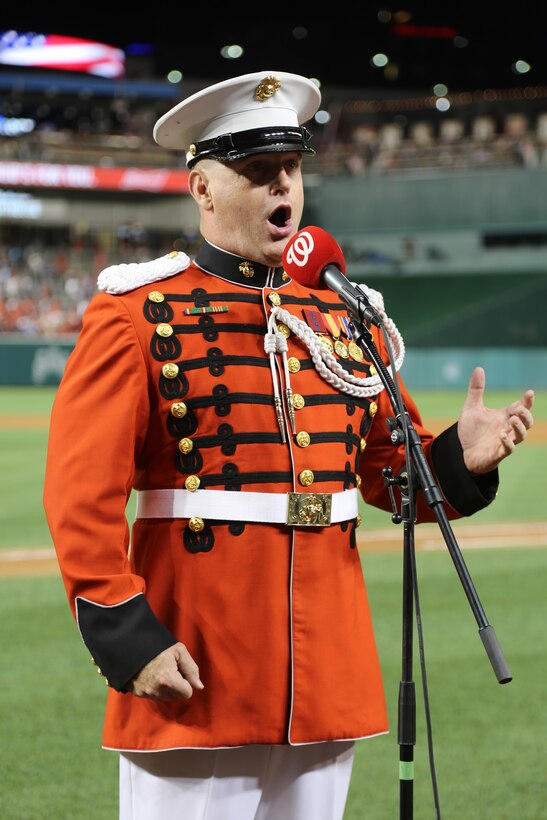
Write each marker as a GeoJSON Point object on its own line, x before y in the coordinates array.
{"type": "Point", "coordinates": [280, 216]}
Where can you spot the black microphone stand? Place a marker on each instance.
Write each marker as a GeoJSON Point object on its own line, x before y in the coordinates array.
{"type": "Point", "coordinates": [416, 475]}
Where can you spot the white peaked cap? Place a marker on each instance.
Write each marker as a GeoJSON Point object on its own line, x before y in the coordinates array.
{"type": "Point", "coordinates": [262, 111]}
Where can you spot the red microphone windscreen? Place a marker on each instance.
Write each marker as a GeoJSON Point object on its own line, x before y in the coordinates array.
{"type": "Point", "coordinates": [309, 252]}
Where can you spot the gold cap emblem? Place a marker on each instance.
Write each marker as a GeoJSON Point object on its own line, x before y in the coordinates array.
{"type": "Point", "coordinates": [192, 150]}
{"type": "Point", "coordinates": [267, 88]}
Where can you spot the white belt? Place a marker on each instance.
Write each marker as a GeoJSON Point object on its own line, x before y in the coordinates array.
{"type": "Point", "coordinates": [304, 509]}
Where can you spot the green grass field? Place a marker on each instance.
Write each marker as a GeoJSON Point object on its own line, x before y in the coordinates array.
{"type": "Point", "coordinates": [23, 448]}
{"type": "Point", "coordinates": [488, 738]}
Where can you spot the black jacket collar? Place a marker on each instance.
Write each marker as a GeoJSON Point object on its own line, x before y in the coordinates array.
{"type": "Point", "coordinates": [238, 269]}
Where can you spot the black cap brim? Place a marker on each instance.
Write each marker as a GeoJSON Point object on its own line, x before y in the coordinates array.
{"type": "Point", "coordinates": [230, 147]}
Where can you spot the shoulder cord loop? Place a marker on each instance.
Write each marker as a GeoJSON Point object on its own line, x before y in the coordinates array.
{"type": "Point", "coordinates": [275, 342]}
{"type": "Point", "coordinates": [328, 366]}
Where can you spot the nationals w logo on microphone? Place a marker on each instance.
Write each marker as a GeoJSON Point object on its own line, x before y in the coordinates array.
{"type": "Point", "coordinates": [299, 251]}
{"type": "Point", "coordinates": [309, 252]}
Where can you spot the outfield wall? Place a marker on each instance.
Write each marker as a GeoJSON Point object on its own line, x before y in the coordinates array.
{"type": "Point", "coordinates": [39, 361]}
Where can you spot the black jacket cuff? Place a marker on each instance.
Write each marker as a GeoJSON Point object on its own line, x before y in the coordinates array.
{"type": "Point", "coordinates": [465, 492]}
{"type": "Point", "coordinates": [122, 638]}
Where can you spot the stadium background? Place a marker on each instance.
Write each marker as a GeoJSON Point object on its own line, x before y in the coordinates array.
{"type": "Point", "coordinates": [437, 197]}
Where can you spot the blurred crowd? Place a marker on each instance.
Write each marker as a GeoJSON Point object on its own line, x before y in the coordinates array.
{"type": "Point", "coordinates": [453, 145]}
{"type": "Point", "coordinates": [369, 150]}
{"type": "Point", "coordinates": [46, 283]}
{"type": "Point", "coordinates": [45, 286]}
{"type": "Point", "coordinates": [343, 148]}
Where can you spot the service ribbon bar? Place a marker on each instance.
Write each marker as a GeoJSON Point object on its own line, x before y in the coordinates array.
{"type": "Point", "coordinates": [332, 325]}
{"type": "Point", "coordinates": [315, 320]}
{"type": "Point", "coordinates": [345, 324]}
{"type": "Point", "coordinates": [208, 309]}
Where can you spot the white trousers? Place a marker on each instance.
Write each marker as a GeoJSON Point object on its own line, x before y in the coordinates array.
{"type": "Point", "coordinates": [245, 783]}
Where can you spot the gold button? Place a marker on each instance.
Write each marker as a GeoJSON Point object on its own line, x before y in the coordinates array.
{"type": "Point", "coordinates": [306, 478]}
{"type": "Point", "coordinates": [358, 480]}
{"type": "Point", "coordinates": [293, 365]}
{"type": "Point", "coordinates": [358, 520]}
{"type": "Point", "coordinates": [372, 408]}
{"type": "Point", "coordinates": [196, 523]}
{"type": "Point", "coordinates": [186, 445]}
{"type": "Point", "coordinates": [192, 483]}
{"type": "Point", "coordinates": [164, 330]}
{"type": "Point", "coordinates": [275, 299]}
{"type": "Point", "coordinates": [178, 409]}
{"type": "Point", "coordinates": [298, 401]}
{"type": "Point", "coordinates": [284, 330]}
{"type": "Point", "coordinates": [156, 296]}
{"type": "Point", "coordinates": [362, 444]}
{"type": "Point", "coordinates": [303, 438]}
{"type": "Point", "coordinates": [170, 370]}
{"type": "Point", "coordinates": [372, 370]}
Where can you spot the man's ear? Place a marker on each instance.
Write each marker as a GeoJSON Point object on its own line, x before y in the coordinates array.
{"type": "Point", "coordinates": [199, 187]}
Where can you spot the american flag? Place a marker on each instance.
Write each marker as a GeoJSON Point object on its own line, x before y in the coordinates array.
{"type": "Point", "coordinates": [58, 51]}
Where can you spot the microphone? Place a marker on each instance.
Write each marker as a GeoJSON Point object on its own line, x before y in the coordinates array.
{"type": "Point", "coordinates": [314, 258]}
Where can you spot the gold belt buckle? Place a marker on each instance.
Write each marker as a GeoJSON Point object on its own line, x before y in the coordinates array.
{"type": "Point", "coordinates": [309, 509]}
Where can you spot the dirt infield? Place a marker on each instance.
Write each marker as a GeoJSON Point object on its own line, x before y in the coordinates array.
{"type": "Point", "coordinates": [38, 421]}
{"type": "Point", "coordinates": [23, 562]}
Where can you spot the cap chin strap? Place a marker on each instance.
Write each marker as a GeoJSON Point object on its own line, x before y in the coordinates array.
{"type": "Point", "coordinates": [229, 147]}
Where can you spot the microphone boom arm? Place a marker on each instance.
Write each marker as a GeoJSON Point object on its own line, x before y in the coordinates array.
{"type": "Point", "coordinates": [432, 494]}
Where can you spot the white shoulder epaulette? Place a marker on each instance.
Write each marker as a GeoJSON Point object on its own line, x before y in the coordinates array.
{"type": "Point", "coordinates": [128, 276]}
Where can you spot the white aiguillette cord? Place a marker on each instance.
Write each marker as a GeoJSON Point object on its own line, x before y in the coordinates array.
{"type": "Point", "coordinates": [275, 342]}
{"type": "Point", "coordinates": [325, 363]}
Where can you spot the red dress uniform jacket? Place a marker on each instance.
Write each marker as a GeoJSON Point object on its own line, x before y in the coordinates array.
{"type": "Point", "coordinates": [169, 386]}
